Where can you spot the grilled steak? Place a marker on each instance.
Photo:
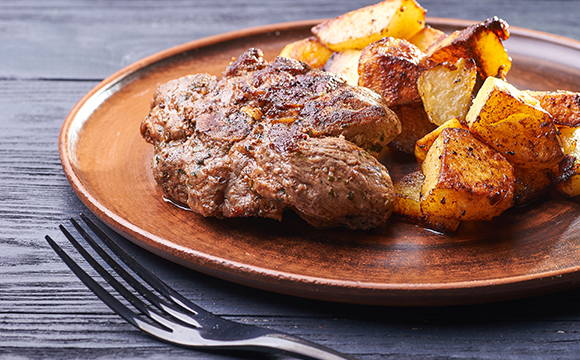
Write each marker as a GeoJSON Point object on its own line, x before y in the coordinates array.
{"type": "Point", "coordinates": [265, 137]}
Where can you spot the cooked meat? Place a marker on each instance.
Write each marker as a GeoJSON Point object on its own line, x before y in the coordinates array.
{"type": "Point", "coordinates": [264, 137]}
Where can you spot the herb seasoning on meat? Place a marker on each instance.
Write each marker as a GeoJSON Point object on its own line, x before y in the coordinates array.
{"type": "Point", "coordinates": [265, 137]}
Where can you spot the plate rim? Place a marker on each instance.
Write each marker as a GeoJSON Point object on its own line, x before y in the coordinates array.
{"type": "Point", "coordinates": [424, 291]}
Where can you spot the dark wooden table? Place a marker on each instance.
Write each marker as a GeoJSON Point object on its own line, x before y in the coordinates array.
{"type": "Point", "coordinates": [53, 52]}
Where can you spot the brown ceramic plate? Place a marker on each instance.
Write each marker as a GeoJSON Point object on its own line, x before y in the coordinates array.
{"type": "Point", "coordinates": [523, 252]}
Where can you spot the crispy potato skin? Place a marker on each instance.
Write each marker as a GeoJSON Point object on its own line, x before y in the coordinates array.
{"type": "Point", "coordinates": [446, 90]}
{"type": "Point", "coordinates": [566, 175]}
{"type": "Point", "coordinates": [408, 205]}
{"type": "Point", "coordinates": [391, 67]}
{"type": "Point", "coordinates": [564, 106]}
{"type": "Point", "coordinates": [513, 123]}
{"type": "Point", "coordinates": [423, 145]}
{"type": "Point", "coordinates": [465, 179]}
{"type": "Point", "coordinates": [358, 28]}
{"type": "Point", "coordinates": [310, 51]}
{"type": "Point", "coordinates": [524, 141]}
{"type": "Point", "coordinates": [481, 42]}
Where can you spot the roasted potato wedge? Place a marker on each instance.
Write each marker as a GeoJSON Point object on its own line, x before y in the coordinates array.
{"type": "Point", "coordinates": [564, 106]}
{"type": "Point", "coordinates": [408, 205]}
{"type": "Point", "coordinates": [566, 175]}
{"type": "Point", "coordinates": [423, 145]}
{"type": "Point", "coordinates": [391, 67]}
{"type": "Point", "coordinates": [427, 38]}
{"type": "Point", "coordinates": [481, 42]}
{"type": "Point", "coordinates": [414, 125]}
{"type": "Point", "coordinates": [310, 51]}
{"type": "Point", "coordinates": [514, 124]}
{"type": "Point", "coordinates": [356, 29]}
{"type": "Point", "coordinates": [345, 64]}
{"type": "Point", "coordinates": [446, 90]}
{"type": "Point", "coordinates": [465, 179]}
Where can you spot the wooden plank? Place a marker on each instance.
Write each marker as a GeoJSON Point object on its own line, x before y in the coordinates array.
{"type": "Point", "coordinates": [91, 40]}
{"type": "Point", "coordinates": [93, 333]}
{"type": "Point", "coordinates": [94, 39]}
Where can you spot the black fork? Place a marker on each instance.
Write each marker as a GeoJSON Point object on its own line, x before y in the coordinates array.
{"type": "Point", "coordinates": [165, 314]}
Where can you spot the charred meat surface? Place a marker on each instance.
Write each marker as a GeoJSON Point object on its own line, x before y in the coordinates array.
{"type": "Point", "coordinates": [265, 137]}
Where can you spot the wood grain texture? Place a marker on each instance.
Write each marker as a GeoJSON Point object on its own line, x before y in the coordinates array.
{"type": "Point", "coordinates": [53, 52]}
{"type": "Point", "coordinates": [80, 40]}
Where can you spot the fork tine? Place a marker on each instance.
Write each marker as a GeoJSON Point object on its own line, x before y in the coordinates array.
{"type": "Point", "coordinates": [145, 274]}
{"type": "Point", "coordinates": [103, 294]}
{"type": "Point", "coordinates": [160, 326]}
{"type": "Point", "coordinates": [132, 281]}
{"type": "Point", "coordinates": [118, 268]}
{"type": "Point", "coordinates": [134, 300]}
{"type": "Point", "coordinates": [180, 308]}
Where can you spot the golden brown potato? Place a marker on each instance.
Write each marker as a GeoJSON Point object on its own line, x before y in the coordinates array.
{"type": "Point", "coordinates": [310, 51]}
{"type": "Point", "coordinates": [391, 67]}
{"type": "Point", "coordinates": [564, 106]}
{"type": "Point", "coordinates": [530, 185]}
{"type": "Point", "coordinates": [446, 90]}
{"type": "Point", "coordinates": [514, 124]}
{"type": "Point", "coordinates": [414, 125]}
{"type": "Point", "coordinates": [566, 175]}
{"type": "Point", "coordinates": [465, 179]}
{"type": "Point", "coordinates": [345, 64]}
{"type": "Point", "coordinates": [408, 205]}
{"type": "Point", "coordinates": [356, 29]}
{"type": "Point", "coordinates": [481, 42]}
{"type": "Point", "coordinates": [427, 38]}
{"type": "Point", "coordinates": [423, 145]}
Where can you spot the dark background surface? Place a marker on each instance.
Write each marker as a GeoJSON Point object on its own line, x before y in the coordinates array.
{"type": "Point", "coordinates": [53, 52]}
